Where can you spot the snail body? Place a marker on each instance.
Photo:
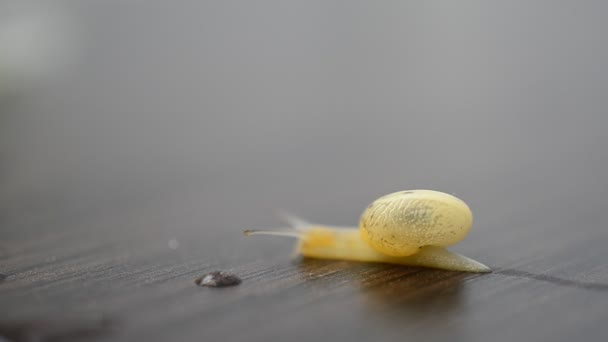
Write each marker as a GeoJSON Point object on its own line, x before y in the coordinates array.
{"type": "Point", "coordinates": [406, 227]}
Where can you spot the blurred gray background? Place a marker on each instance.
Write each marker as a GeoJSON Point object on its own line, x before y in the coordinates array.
{"type": "Point", "coordinates": [223, 111]}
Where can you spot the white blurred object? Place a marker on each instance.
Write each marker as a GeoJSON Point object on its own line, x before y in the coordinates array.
{"type": "Point", "coordinates": [173, 244]}
{"type": "Point", "coordinates": [37, 41]}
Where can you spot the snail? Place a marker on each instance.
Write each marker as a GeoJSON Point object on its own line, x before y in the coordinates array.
{"type": "Point", "coordinates": [407, 227]}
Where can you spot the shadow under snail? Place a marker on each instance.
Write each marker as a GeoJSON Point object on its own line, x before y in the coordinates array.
{"type": "Point", "coordinates": [407, 227]}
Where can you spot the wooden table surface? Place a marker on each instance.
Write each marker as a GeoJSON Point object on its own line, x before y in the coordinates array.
{"type": "Point", "coordinates": [182, 125]}
{"type": "Point", "coordinates": [110, 275]}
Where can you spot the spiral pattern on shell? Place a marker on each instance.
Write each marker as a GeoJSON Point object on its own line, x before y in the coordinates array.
{"type": "Point", "coordinates": [398, 224]}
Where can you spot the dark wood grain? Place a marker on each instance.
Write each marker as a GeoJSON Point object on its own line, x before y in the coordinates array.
{"type": "Point", "coordinates": [81, 274]}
